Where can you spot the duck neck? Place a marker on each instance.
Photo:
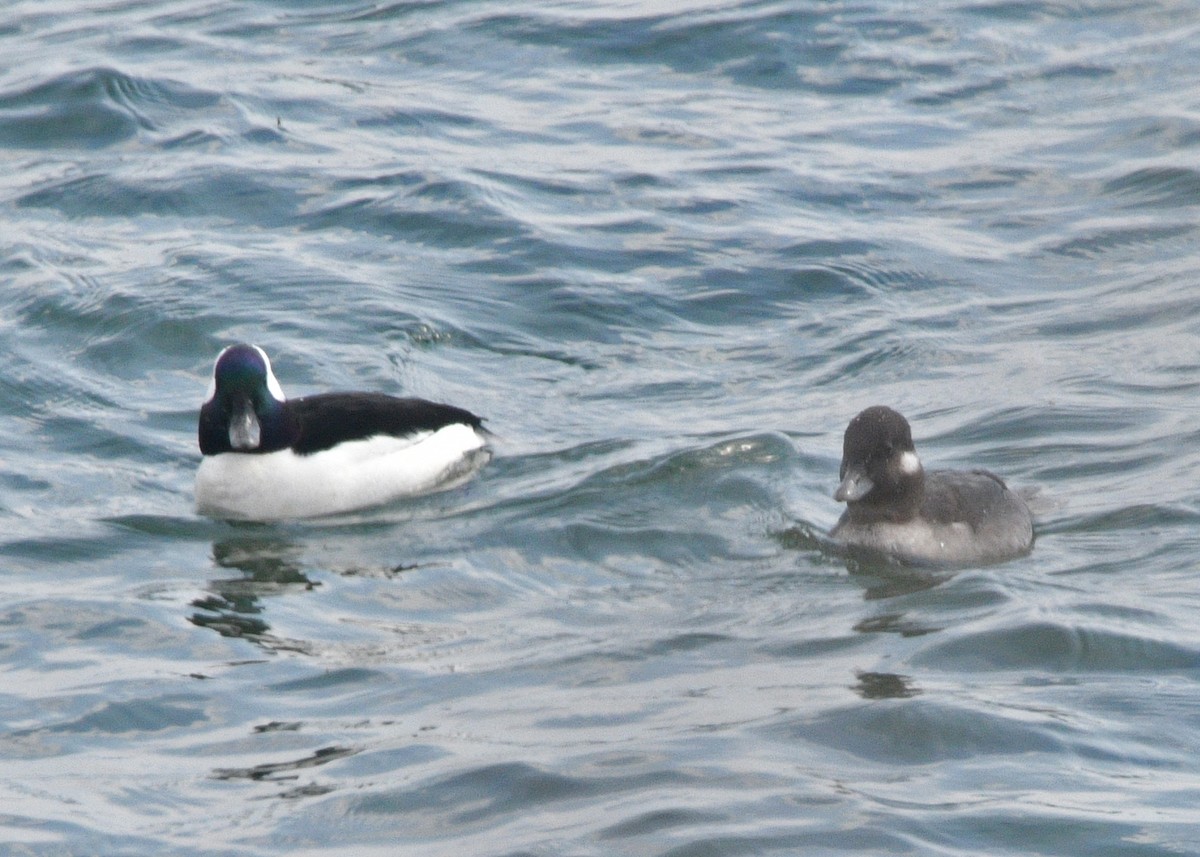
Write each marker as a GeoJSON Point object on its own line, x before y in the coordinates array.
{"type": "Point", "coordinates": [896, 501]}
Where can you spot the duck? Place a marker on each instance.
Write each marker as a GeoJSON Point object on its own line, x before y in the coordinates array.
{"type": "Point", "coordinates": [266, 457]}
{"type": "Point", "coordinates": [895, 508]}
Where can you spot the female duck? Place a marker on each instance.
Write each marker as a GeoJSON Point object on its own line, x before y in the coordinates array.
{"type": "Point", "coordinates": [267, 457]}
{"type": "Point", "coordinates": [940, 517]}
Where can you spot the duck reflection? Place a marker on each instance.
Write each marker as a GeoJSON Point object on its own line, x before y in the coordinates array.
{"type": "Point", "coordinates": [873, 685]}
{"type": "Point", "coordinates": [881, 580]}
{"type": "Point", "coordinates": [268, 565]}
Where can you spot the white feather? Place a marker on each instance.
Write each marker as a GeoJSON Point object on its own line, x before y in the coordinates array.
{"type": "Point", "coordinates": [909, 463]}
{"type": "Point", "coordinates": [354, 475]}
{"type": "Point", "coordinates": [272, 382]}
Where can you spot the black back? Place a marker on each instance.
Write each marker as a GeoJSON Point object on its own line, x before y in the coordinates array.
{"type": "Point", "coordinates": [324, 420]}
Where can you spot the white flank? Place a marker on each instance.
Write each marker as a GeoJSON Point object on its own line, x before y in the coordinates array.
{"type": "Point", "coordinates": [280, 485]}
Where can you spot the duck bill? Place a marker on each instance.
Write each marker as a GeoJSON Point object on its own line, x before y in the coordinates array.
{"type": "Point", "coordinates": [244, 430]}
{"type": "Point", "coordinates": [855, 485]}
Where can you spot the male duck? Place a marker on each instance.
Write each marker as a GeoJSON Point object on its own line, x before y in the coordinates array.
{"type": "Point", "coordinates": [267, 457]}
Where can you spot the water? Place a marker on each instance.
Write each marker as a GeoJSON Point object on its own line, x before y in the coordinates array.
{"type": "Point", "coordinates": [668, 250]}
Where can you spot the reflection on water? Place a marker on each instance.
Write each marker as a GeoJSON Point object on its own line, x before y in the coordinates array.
{"type": "Point", "coordinates": [894, 623]}
{"type": "Point", "coordinates": [280, 771]}
{"type": "Point", "coordinates": [269, 566]}
{"type": "Point", "coordinates": [875, 685]}
{"type": "Point", "coordinates": [881, 580]}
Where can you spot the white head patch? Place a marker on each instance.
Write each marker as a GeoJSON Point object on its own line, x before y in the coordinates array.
{"type": "Point", "coordinates": [909, 463]}
{"type": "Point", "coordinates": [272, 382]}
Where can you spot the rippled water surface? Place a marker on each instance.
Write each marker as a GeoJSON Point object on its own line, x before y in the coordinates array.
{"type": "Point", "coordinates": [668, 250]}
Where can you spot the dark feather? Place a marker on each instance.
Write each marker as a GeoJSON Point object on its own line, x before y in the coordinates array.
{"type": "Point", "coordinates": [966, 496]}
{"type": "Point", "coordinates": [327, 419]}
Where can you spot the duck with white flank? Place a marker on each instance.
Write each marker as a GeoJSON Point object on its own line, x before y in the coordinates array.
{"type": "Point", "coordinates": [939, 517]}
{"type": "Point", "coordinates": [267, 457]}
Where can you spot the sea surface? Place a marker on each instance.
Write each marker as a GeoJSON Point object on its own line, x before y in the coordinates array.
{"type": "Point", "coordinates": [668, 249]}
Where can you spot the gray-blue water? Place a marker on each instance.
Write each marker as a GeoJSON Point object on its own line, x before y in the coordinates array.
{"type": "Point", "coordinates": [668, 250]}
